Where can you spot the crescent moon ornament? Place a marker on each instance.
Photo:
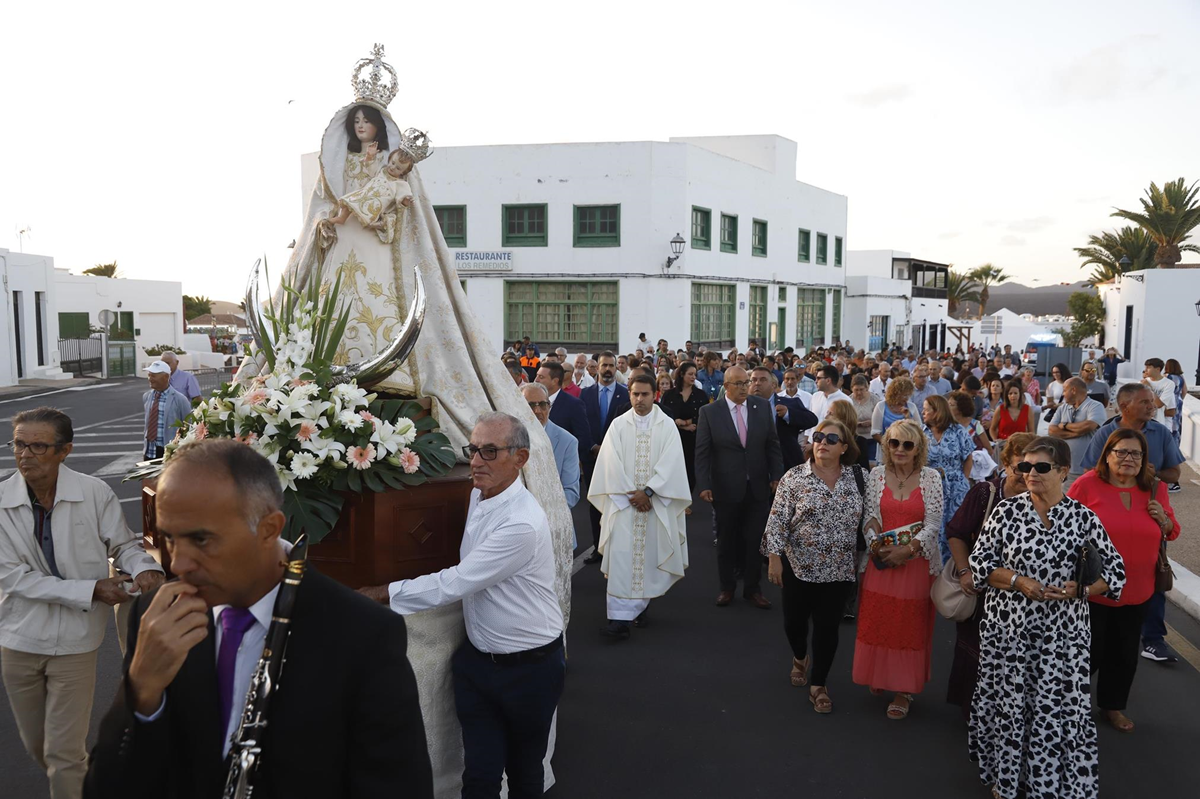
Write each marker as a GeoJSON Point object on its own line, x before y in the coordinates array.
{"type": "Point", "coordinates": [368, 373]}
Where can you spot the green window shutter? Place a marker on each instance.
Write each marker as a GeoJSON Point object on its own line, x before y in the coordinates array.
{"type": "Point", "coordinates": [714, 311]}
{"type": "Point", "coordinates": [597, 226]}
{"type": "Point", "coordinates": [524, 226]}
{"type": "Point", "coordinates": [572, 315]}
{"type": "Point", "coordinates": [701, 228]}
{"type": "Point", "coordinates": [729, 231]}
{"type": "Point", "coordinates": [758, 241]}
{"type": "Point", "coordinates": [758, 314]}
{"type": "Point", "coordinates": [453, 221]}
{"type": "Point", "coordinates": [837, 251]}
{"type": "Point", "coordinates": [837, 314]}
{"type": "Point", "coordinates": [73, 325]}
{"type": "Point", "coordinates": [810, 318]}
{"type": "Point", "coordinates": [805, 246]}
{"type": "Point", "coordinates": [822, 248]}
{"type": "Point", "coordinates": [783, 293]}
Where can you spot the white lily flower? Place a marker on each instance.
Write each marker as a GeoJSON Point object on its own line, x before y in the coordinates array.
{"type": "Point", "coordinates": [406, 431]}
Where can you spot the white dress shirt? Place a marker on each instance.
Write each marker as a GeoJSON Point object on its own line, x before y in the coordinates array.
{"type": "Point", "coordinates": [733, 413]}
{"type": "Point", "coordinates": [553, 397]}
{"type": "Point", "coordinates": [584, 381]}
{"type": "Point", "coordinates": [804, 396]}
{"type": "Point", "coordinates": [821, 403]}
{"type": "Point", "coordinates": [505, 576]}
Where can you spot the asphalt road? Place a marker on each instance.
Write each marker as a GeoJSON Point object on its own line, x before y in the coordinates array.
{"type": "Point", "coordinates": [698, 704]}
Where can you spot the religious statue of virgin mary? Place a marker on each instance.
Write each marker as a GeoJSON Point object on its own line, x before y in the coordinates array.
{"type": "Point", "coordinates": [370, 220]}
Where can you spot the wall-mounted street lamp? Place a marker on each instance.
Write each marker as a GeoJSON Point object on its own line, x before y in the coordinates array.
{"type": "Point", "coordinates": [676, 248]}
{"type": "Point", "coordinates": [1197, 383]}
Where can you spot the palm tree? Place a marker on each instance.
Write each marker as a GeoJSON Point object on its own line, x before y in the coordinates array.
{"type": "Point", "coordinates": [1168, 216]}
{"type": "Point", "coordinates": [960, 288]}
{"type": "Point", "coordinates": [1104, 253]}
{"type": "Point", "coordinates": [196, 306]}
{"type": "Point", "coordinates": [103, 270]}
{"type": "Point", "coordinates": [986, 275]}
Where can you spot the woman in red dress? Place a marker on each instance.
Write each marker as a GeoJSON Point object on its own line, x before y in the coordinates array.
{"type": "Point", "coordinates": [894, 645]}
{"type": "Point", "coordinates": [1014, 416]}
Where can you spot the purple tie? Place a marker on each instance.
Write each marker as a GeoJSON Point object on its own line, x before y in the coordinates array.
{"type": "Point", "coordinates": [741, 424]}
{"type": "Point", "coordinates": [234, 624]}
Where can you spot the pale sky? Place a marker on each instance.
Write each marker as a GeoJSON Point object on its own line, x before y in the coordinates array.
{"type": "Point", "coordinates": [168, 137]}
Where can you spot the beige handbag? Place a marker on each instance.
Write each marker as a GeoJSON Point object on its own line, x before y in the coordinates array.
{"type": "Point", "coordinates": [947, 593]}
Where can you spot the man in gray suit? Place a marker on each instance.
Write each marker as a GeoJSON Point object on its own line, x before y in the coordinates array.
{"type": "Point", "coordinates": [738, 465]}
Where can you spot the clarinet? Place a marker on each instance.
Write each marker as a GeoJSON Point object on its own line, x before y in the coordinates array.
{"type": "Point", "coordinates": [245, 752]}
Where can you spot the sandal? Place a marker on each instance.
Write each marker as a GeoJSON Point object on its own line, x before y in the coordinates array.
{"type": "Point", "coordinates": [800, 671]}
{"type": "Point", "coordinates": [820, 700]}
{"type": "Point", "coordinates": [896, 712]}
{"type": "Point", "coordinates": [1119, 721]}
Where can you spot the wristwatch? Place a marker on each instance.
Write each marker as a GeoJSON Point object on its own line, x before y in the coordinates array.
{"type": "Point", "coordinates": [961, 572]}
{"type": "Point", "coordinates": [648, 491]}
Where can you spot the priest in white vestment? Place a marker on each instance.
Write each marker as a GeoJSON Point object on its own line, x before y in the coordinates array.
{"type": "Point", "coordinates": [641, 489]}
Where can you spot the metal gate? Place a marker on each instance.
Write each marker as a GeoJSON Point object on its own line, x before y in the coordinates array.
{"type": "Point", "coordinates": [81, 356]}
{"type": "Point", "coordinates": [122, 358]}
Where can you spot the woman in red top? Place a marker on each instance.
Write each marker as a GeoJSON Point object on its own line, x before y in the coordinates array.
{"type": "Point", "coordinates": [1118, 491]}
{"type": "Point", "coordinates": [1014, 416]}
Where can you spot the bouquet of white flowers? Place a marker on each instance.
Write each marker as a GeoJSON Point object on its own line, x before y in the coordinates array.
{"type": "Point", "coordinates": [325, 437]}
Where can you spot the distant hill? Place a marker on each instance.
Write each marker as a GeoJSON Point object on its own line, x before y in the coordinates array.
{"type": "Point", "coordinates": [223, 307]}
{"type": "Point", "coordinates": [1019, 298]}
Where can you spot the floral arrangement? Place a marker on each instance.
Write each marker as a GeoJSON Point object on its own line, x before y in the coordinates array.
{"type": "Point", "coordinates": [324, 437]}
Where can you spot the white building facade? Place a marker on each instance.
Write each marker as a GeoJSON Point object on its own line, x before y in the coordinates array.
{"type": "Point", "coordinates": [28, 319]}
{"type": "Point", "coordinates": [151, 310]}
{"type": "Point", "coordinates": [568, 243]}
{"type": "Point", "coordinates": [894, 298]}
{"type": "Point", "coordinates": [1152, 313]}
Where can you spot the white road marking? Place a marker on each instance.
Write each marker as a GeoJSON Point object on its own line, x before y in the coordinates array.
{"type": "Point", "coordinates": [578, 564]}
{"type": "Point", "coordinates": [60, 391]}
{"type": "Point", "coordinates": [82, 455]}
{"type": "Point", "coordinates": [121, 466]}
{"type": "Point", "coordinates": [138, 498]}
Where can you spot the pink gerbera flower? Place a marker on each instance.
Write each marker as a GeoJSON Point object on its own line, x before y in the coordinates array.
{"type": "Point", "coordinates": [409, 461]}
{"type": "Point", "coordinates": [307, 430]}
{"type": "Point", "coordinates": [201, 431]}
{"type": "Point", "coordinates": [368, 416]}
{"type": "Point", "coordinates": [258, 396]}
{"type": "Point", "coordinates": [360, 457]}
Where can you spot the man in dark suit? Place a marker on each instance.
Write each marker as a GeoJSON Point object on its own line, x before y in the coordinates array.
{"type": "Point", "coordinates": [791, 417]}
{"type": "Point", "coordinates": [566, 411]}
{"type": "Point", "coordinates": [193, 645]}
{"type": "Point", "coordinates": [604, 401]}
{"type": "Point", "coordinates": [738, 465]}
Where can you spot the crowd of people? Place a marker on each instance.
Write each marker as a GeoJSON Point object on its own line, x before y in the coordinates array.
{"type": "Point", "coordinates": [963, 490]}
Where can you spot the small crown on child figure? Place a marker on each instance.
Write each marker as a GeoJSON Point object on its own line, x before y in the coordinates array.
{"type": "Point", "coordinates": [373, 89]}
{"type": "Point", "coordinates": [416, 144]}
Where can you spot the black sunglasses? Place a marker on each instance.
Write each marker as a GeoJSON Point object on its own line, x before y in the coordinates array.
{"type": "Point", "coordinates": [1041, 467]}
{"type": "Point", "coordinates": [832, 439]}
{"type": "Point", "coordinates": [896, 443]}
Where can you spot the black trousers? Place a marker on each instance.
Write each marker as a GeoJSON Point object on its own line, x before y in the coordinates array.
{"type": "Point", "coordinates": [1116, 645]}
{"type": "Point", "coordinates": [505, 711]}
{"type": "Point", "coordinates": [823, 603]}
{"type": "Point", "coordinates": [740, 527]}
{"type": "Point", "coordinates": [589, 468]}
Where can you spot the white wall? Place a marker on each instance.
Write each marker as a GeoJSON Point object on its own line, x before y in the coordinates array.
{"type": "Point", "coordinates": [30, 275]}
{"type": "Point", "coordinates": [157, 305]}
{"type": "Point", "coordinates": [656, 185]}
{"type": "Point", "coordinates": [1165, 324]}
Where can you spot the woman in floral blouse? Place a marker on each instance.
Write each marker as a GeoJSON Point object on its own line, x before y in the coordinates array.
{"type": "Point", "coordinates": [809, 540]}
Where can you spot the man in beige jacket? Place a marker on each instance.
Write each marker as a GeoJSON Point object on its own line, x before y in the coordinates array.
{"type": "Point", "coordinates": [58, 529]}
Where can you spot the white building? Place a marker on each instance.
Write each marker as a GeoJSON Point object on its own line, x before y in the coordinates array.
{"type": "Point", "coordinates": [152, 310]}
{"type": "Point", "coordinates": [893, 298]}
{"type": "Point", "coordinates": [1152, 313]}
{"type": "Point", "coordinates": [28, 319]}
{"type": "Point", "coordinates": [568, 243]}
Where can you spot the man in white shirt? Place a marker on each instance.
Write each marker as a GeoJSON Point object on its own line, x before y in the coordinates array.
{"type": "Point", "coordinates": [878, 384]}
{"type": "Point", "coordinates": [58, 528]}
{"type": "Point", "coordinates": [622, 369]}
{"type": "Point", "coordinates": [827, 391]}
{"type": "Point", "coordinates": [508, 676]}
{"type": "Point", "coordinates": [1164, 391]}
{"type": "Point", "coordinates": [792, 390]}
{"type": "Point", "coordinates": [1076, 421]}
{"type": "Point", "coordinates": [580, 376]}
{"type": "Point", "coordinates": [640, 487]}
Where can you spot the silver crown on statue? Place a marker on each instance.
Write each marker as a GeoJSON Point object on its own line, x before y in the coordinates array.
{"type": "Point", "coordinates": [416, 144]}
{"type": "Point", "coordinates": [374, 88]}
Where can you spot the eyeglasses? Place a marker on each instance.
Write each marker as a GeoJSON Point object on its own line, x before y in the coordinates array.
{"type": "Point", "coordinates": [488, 453]}
{"type": "Point", "coordinates": [832, 439]}
{"type": "Point", "coordinates": [1087, 369]}
{"type": "Point", "coordinates": [738, 384]}
{"type": "Point", "coordinates": [1025, 467]}
{"type": "Point", "coordinates": [542, 404]}
{"type": "Point", "coordinates": [36, 447]}
{"type": "Point", "coordinates": [895, 443]}
{"type": "Point", "coordinates": [1127, 454]}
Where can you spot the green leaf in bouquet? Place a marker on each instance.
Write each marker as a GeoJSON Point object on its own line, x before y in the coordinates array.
{"type": "Point", "coordinates": [411, 409]}
{"type": "Point", "coordinates": [392, 409]}
{"type": "Point", "coordinates": [372, 480]}
{"type": "Point", "coordinates": [390, 477]}
{"type": "Point", "coordinates": [353, 481]}
{"type": "Point", "coordinates": [412, 479]}
{"type": "Point", "coordinates": [425, 423]}
{"type": "Point", "coordinates": [313, 511]}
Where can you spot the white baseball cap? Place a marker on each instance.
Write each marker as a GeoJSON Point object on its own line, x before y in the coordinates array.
{"type": "Point", "coordinates": [158, 368]}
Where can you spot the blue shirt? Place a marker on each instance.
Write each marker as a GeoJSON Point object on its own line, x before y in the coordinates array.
{"type": "Point", "coordinates": [186, 384]}
{"type": "Point", "coordinates": [711, 383]}
{"type": "Point", "coordinates": [1164, 452]}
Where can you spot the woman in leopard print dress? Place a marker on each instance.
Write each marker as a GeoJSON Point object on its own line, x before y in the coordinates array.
{"type": "Point", "coordinates": [1031, 725]}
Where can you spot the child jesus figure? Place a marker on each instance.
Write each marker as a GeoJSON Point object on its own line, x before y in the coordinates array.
{"type": "Point", "coordinates": [378, 204]}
